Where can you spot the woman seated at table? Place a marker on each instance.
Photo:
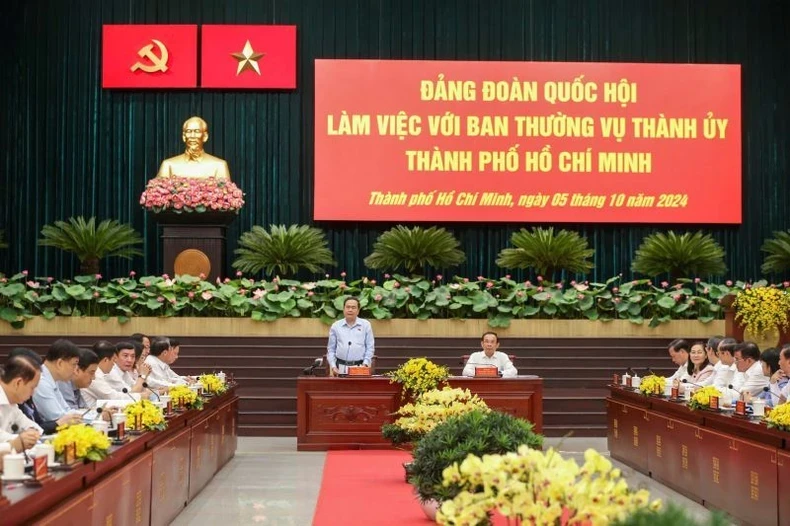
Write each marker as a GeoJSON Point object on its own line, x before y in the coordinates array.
{"type": "Point", "coordinates": [700, 370]}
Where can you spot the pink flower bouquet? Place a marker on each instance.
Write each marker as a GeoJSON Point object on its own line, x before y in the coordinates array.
{"type": "Point", "coordinates": [187, 194]}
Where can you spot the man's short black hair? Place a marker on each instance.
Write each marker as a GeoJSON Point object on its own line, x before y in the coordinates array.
{"type": "Point", "coordinates": [87, 358]}
{"type": "Point", "coordinates": [159, 345]}
{"type": "Point", "coordinates": [104, 349]}
{"type": "Point", "coordinates": [483, 337]}
{"type": "Point", "coordinates": [22, 366]}
{"type": "Point", "coordinates": [62, 350]}
{"type": "Point", "coordinates": [679, 345]}
{"type": "Point", "coordinates": [749, 350]}
{"type": "Point", "coordinates": [713, 343]}
{"type": "Point", "coordinates": [174, 342]}
{"type": "Point", "coordinates": [728, 345]}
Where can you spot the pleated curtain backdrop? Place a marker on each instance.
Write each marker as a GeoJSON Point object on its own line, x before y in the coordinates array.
{"type": "Point", "coordinates": [71, 148]}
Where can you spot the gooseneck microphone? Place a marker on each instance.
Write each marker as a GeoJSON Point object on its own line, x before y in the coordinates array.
{"type": "Point", "coordinates": [126, 392]}
{"type": "Point", "coordinates": [15, 430]}
{"type": "Point", "coordinates": [145, 386]}
{"type": "Point", "coordinates": [309, 371]}
{"type": "Point", "coordinates": [740, 394]}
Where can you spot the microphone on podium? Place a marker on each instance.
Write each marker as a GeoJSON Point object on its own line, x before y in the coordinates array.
{"type": "Point", "coordinates": [145, 386]}
{"type": "Point", "coordinates": [126, 392]}
{"type": "Point", "coordinates": [309, 371]}
{"type": "Point", "coordinates": [740, 394]}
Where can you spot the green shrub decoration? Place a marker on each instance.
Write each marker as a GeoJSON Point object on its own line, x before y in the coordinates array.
{"type": "Point", "coordinates": [91, 242]}
{"type": "Point", "coordinates": [415, 249]}
{"type": "Point", "coordinates": [547, 252]}
{"type": "Point", "coordinates": [778, 253]}
{"type": "Point", "coordinates": [282, 250]}
{"type": "Point", "coordinates": [686, 254]}
{"type": "Point", "coordinates": [477, 432]}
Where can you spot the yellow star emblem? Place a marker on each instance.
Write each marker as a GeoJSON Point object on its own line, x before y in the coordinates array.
{"type": "Point", "coordinates": [248, 59]}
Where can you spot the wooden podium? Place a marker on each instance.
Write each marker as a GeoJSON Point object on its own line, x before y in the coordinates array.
{"type": "Point", "coordinates": [194, 243]}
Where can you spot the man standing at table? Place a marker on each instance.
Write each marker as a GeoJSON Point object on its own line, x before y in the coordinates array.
{"type": "Point", "coordinates": [490, 356]}
{"type": "Point", "coordinates": [350, 340]}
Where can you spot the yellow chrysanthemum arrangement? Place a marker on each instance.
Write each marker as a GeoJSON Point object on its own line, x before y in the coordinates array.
{"type": "Point", "coordinates": [429, 410]}
{"type": "Point", "coordinates": [701, 398]}
{"type": "Point", "coordinates": [653, 385]}
{"type": "Point", "coordinates": [419, 375]}
{"type": "Point", "coordinates": [537, 488]}
{"type": "Point", "coordinates": [212, 384]}
{"type": "Point", "coordinates": [779, 418]}
{"type": "Point", "coordinates": [89, 443]}
{"type": "Point", "coordinates": [181, 395]}
{"type": "Point", "coordinates": [762, 310]}
{"type": "Point", "coordinates": [147, 415]}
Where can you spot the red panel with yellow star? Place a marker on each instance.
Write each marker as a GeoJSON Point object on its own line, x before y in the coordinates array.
{"type": "Point", "coordinates": [248, 57]}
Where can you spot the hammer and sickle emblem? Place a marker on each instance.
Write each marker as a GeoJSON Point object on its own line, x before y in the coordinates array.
{"type": "Point", "coordinates": [158, 63]}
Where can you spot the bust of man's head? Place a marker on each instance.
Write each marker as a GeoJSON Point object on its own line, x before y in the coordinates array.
{"type": "Point", "coordinates": [194, 132]}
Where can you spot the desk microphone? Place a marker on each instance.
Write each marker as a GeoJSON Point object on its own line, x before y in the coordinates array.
{"type": "Point", "coordinates": [740, 394]}
{"type": "Point", "coordinates": [309, 371]}
{"type": "Point", "coordinates": [649, 372]}
{"type": "Point", "coordinates": [685, 381]}
{"type": "Point", "coordinates": [98, 411]}
{"type": "Point", "coordinates": [145, 386]}
{"type": "Point", "coordinates": [15, 430]}
{"type": "Point", "coordinates": [126, 392]}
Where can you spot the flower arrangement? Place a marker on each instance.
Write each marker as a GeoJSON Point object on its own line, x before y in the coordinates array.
{"type": "Point", "coordinates": [537, 488]}
{"type": "Point", "coordinates": [652, 385]}
{"type": "Point", "coordinates": [212, 384]}
{"type": "Point", "coordinates": [701, 398]}
{"type": "Point", "coordinates": [190, 194]}
{"type": "Point", "coordinates": [779, 418]}
{"type": "Point", "coordinates": [419, 375]}
{"type": "Point", "coordinates": [762, 310]}
{"type": "Point", "coordinates": [429, 410]}
{"type": "Point", "coordinates": [90, 443]}
{"type": "Point", "coordinates": [186, 397]}
{"type": "Point", "coordinates": [148, 415]}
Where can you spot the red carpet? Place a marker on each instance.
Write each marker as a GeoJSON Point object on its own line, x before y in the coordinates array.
{"type": "Point", "coordinates": [367, 488]}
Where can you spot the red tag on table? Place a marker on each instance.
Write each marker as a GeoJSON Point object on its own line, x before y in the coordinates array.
{"type": "Point", "coordinates": [40, 467]}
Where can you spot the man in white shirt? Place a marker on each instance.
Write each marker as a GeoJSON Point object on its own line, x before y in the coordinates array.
{"type": "Point", "coordinates": [679, 354]}
{"type": "Point", "coordinates": [125, 360]}
{"type": "Point", "coordinates": [159, 359]}
{"type": "Point", "coordinates": [106, 385]}
{"type": "Point", "coordinates": [351, 340]}
{"type": "Point", "coordinates": [20, 376]}
{"type": "Point", "coordinates": [490, 357]}
{"type": "Point", "coordinates": [751, 381]}
{"type": "Point", "coordinates": [724, 369]}
{"type": "Point", "coordinates": [781, 396]}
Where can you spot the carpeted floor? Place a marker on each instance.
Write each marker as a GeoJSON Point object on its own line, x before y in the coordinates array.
{"type": "Point", "coordinates": [365, 488]}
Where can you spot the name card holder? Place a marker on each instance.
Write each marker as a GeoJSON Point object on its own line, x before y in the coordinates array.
{"type": "Point", "coordinates": [41, 474]}
{"type": "Point", "coordinates": [358, 370]}
{"type": "Point", "coordinates": [486, 372]}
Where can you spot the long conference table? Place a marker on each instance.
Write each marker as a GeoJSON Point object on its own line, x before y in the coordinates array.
{"type": "Point", "coordinates": [347, 413]}
{"type": "Point", "coordinates": [734, 464]}
{"type": "Point", "coordinates": [148, 480]}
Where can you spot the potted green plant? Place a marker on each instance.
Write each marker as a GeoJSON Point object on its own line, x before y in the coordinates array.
{"type": "Point", "coordinates": [546, 252]}
{"type": "Point", "coordinates": [283, 250]}
{"type": "Point", "coordinates": [415, 249]}
{"type": "Point", "coordinates": [477, 433]}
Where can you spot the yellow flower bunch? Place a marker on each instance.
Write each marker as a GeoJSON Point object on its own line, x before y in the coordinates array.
{"type": "Point", "coordinates": [212, 384]}
{"type": "Point", "coordinates": [537, 488]}
{"type": "Point", "coordinates": [150, 416]}
{"type": "Point", "coordinates": [701, 398]}
{"type": "Point", "coordinates": [779, 417]}
{"type": "Point", "coordinates": [653, 385]}
{"type": "Point", "coordinates": [183, 395]}
{"type": "Point", "coordinates": [762, 310]}
{"type": "Point", "coordinates": [419, 375]}
{"type": "Point", "coordinates": [90, 443]}
{"type": "Point", "coordinates": [434, 407]}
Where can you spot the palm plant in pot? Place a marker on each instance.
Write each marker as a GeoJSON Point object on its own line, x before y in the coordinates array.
{"type": "Point", "coordinates": [91, 242]}
{"type": "Point", "coordinates": [477, 432]}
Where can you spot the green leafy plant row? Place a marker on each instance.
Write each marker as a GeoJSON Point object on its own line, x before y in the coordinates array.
{"type": "Point", "coordinates": [397, 296]}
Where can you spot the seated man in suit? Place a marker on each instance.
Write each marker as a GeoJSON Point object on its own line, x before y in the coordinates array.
{"type": "Point", "coordinates": [490, 357]}
{"type": "Point", "coordinates": [20, 376]}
